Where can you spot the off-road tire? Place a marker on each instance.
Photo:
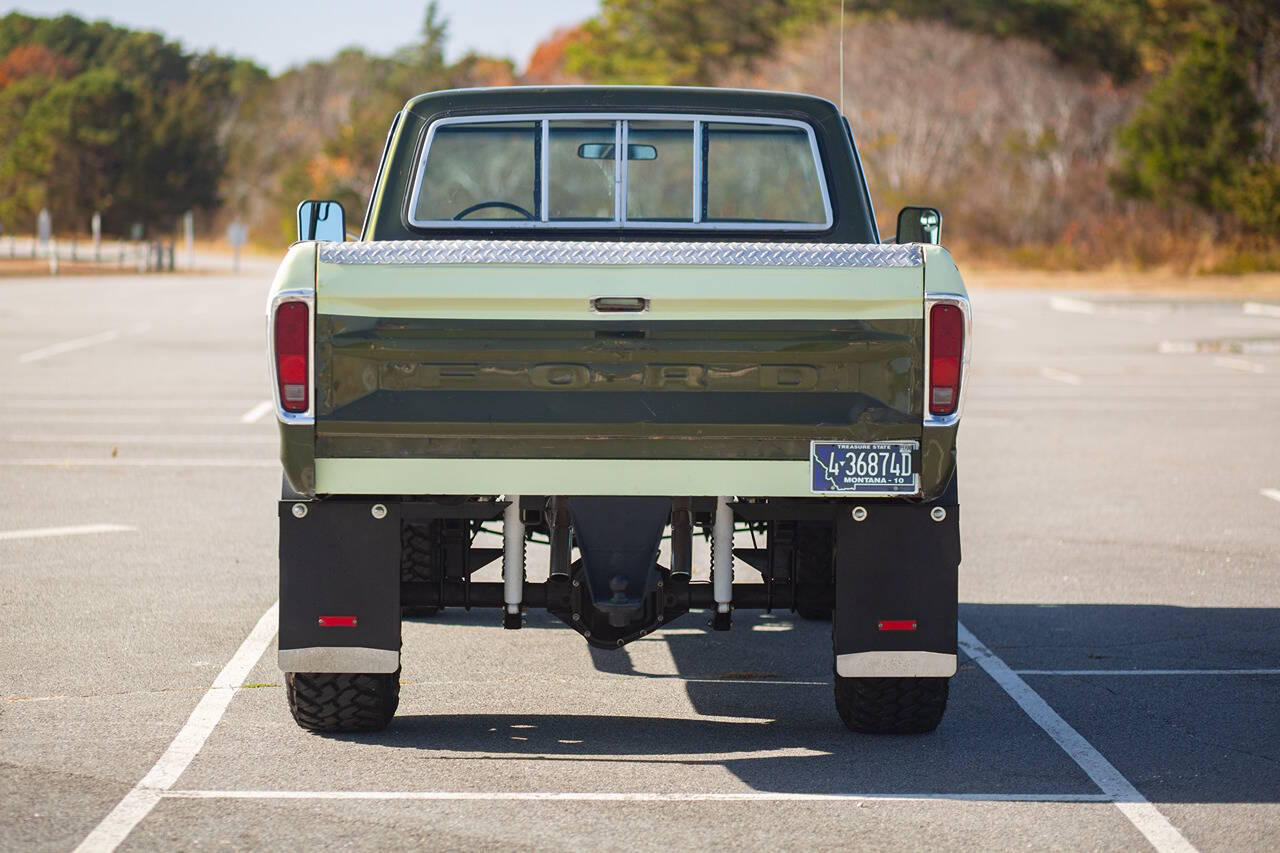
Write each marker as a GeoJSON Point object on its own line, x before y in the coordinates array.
{"type": "Point", "coordinates": [342, 702]}
{"type": "Point", "coordinates": [418, 551]}
{"type": "Point", "coordinates": [814, 556]}
{"type": "Point", "coordinates": [891, 706]}
{"type": "Point", "coordinates": [418, 557]}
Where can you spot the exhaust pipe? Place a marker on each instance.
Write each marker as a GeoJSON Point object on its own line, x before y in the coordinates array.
{"type": "Point", "coordinates": [681, 540]}
{"type": "Point", "coordinates": [558, 527]}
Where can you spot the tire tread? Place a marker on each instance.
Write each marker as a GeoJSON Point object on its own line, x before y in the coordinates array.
{"type": "Point", "coordinates": [814, 544]}
{"type": "Point", "coordinates": [891, 705]}
{"type": "Point", "coordinates": [342, 702]}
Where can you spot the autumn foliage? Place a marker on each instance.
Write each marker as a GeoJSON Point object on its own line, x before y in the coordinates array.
{"type": "Point", "coordinates": [1070, 133]}
{"type": "Point", "coordinates": [549, 61]}
{"type": "Point", "coordinates": [34, 60]}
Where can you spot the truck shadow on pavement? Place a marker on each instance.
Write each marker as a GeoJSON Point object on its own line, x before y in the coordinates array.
{"type": "Point", "coordinates": [767, 715]}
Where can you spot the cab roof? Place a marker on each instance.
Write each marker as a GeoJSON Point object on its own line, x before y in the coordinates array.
{"type": "Point", "coordinates": [665, 99]}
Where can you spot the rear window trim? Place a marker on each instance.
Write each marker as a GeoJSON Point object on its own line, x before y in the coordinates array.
{"type": "Point", "coordinates": [619, 221]}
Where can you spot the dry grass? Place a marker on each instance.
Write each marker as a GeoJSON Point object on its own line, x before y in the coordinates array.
{"type": "Point", "coordinates": [1116, 281]}
{"type": "Point", "coordinates": [27, 268]}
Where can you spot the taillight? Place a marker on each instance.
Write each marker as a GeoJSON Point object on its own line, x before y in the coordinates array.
{"type": "Point", "coordinates": [946, 349]}
{"type": "Point", "coordinates": [292, 355]}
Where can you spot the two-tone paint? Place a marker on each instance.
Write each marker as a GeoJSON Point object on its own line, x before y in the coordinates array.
{"type": "Point", "coordinates": [493, 378]}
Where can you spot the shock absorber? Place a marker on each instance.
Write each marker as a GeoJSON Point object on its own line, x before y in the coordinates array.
{"type": "Point", "coordinates": [512, 563]}
{"type": "Point", "coordinates": [722, 565]}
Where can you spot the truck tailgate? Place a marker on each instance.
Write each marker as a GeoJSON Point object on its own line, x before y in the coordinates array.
{"type": "Point", "coordinates": [479, 350]}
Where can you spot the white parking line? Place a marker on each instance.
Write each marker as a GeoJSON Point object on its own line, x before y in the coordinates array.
{"type": "Point", "coordinates": [41, 420]}
{"type": "Point", "coordinates": [642, 757]}
{"type": "Point", "coordinates": [1147, 671]}
{"type": "Point", "coordinates": [74, 403]}
{"type": "Point", "coordinates": [76, 438]}
{"type": "Point", "coordinates": [1244, 365]}
{"type": "Point", "coordinates": [1063, 376]}
{"type": "Point", "coordinates": [1261, 309]}
{"type": "Point", "coordinates": [255, 414]}
{"type": "Point", "coordinates": [78, 530]}
{"type": "Point", "coordinates": [630, 796]}
{"type": "Point", "coordinates": [1274, 494]}
{"type": "Point", "coordinates": [137, 804]}
{"type": "Point", "coordinates": [1068, 305]}
{"type": "Point", "coordinates": [139, 463]}
{"type": "Point", "coordinates": [68, 346]}
{"type": "Point", "coordinates": [1145, 817]}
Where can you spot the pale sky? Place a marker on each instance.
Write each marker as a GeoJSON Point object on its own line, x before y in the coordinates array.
{"type": "Point", "coordinates": [278, 35]}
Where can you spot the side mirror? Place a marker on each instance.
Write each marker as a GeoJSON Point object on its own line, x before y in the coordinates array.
{"type": "Point", "coordinates": [322, 220]}
{"type": "Point", "coordinates": [919, 225]}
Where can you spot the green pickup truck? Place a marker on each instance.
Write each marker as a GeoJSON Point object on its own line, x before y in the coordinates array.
{"type": "Point", "coordinates": [602, 317]}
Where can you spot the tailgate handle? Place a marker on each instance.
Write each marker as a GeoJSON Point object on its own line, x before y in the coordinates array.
{"type": "Point", "coordinates": [619, 304]}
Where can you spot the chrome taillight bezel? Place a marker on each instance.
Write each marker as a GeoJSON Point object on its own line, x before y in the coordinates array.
{"type": "Point", "coordinates": [308, 298]}
{"type": "Point", "coordinates": [961, 302]}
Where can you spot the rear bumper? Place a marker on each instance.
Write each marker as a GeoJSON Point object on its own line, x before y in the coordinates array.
{"type": "Point", "coordinates": [697, 477]}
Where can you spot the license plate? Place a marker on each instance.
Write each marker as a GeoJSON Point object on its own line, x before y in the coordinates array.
{"type": "Point", "coordinates": [864, 467]}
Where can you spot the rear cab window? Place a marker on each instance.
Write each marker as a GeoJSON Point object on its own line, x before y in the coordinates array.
{"type": "Point", "coordinates": [629, 171]}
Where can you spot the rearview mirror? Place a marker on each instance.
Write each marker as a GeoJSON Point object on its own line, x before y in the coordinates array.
{"type": "Point", "coordinates": [604, 151]}
{"type": "Point", "coordinates": [322, 220]}
{"type": "Point", "coordinates": [919, 225]}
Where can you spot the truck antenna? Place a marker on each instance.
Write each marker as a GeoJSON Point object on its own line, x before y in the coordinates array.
{"type": "Point", "coordinates": [841, 57]}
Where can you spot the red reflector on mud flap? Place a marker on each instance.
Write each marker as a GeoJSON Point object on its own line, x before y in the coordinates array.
{"type": "Point", "coordinates": [337, 621]}
{"type": "Point", "coordinates": [897, 624]}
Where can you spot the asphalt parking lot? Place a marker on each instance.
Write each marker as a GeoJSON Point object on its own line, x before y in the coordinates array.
{"type": "Point", "coordinates": [1120, 614]}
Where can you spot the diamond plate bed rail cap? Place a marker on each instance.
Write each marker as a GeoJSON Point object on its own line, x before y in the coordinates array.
{"type": "Point", "coordinates": [429, 252]}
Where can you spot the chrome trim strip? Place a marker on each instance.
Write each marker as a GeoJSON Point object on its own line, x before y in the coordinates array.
{"type": "Point", "coordinates": [620, 172]}
{"type": "Point", "coordinates": [961, 302]}
{"type": "Point", "coordinates": [697, 171]}
{"type": "Point", "coordinates": [356, 659]}
{"type": "Point", "coordinates": [696, 118]}
{"type": "Point", "coordinates": [896, 665]}
{"type": "Point", "coordinates": [308, 297]}
{"type": "Point", "coordinates": [544, 171]}
{"type": "Point", "coordinates": [654, 253]}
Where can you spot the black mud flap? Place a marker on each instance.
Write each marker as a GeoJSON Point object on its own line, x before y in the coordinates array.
{"type": "Point", "coordinates": [339, 586]}
{"type": "Point", "coordinates": [896, 589]}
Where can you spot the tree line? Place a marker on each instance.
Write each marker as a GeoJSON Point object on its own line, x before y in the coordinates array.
{"type": "Point", "coordinates": [1178, 100]}
{"type": "Point", "coordinates": [99, 118]}
{"type": "Point", "coordinates": [1206, 132]}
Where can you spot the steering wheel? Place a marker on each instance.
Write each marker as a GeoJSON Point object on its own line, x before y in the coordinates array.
{"type": "Point", "coordinates": [505, 205]}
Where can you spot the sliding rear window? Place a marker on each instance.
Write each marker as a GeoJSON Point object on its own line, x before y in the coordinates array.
{"type": "Point", "coordinates": [593, 171]}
